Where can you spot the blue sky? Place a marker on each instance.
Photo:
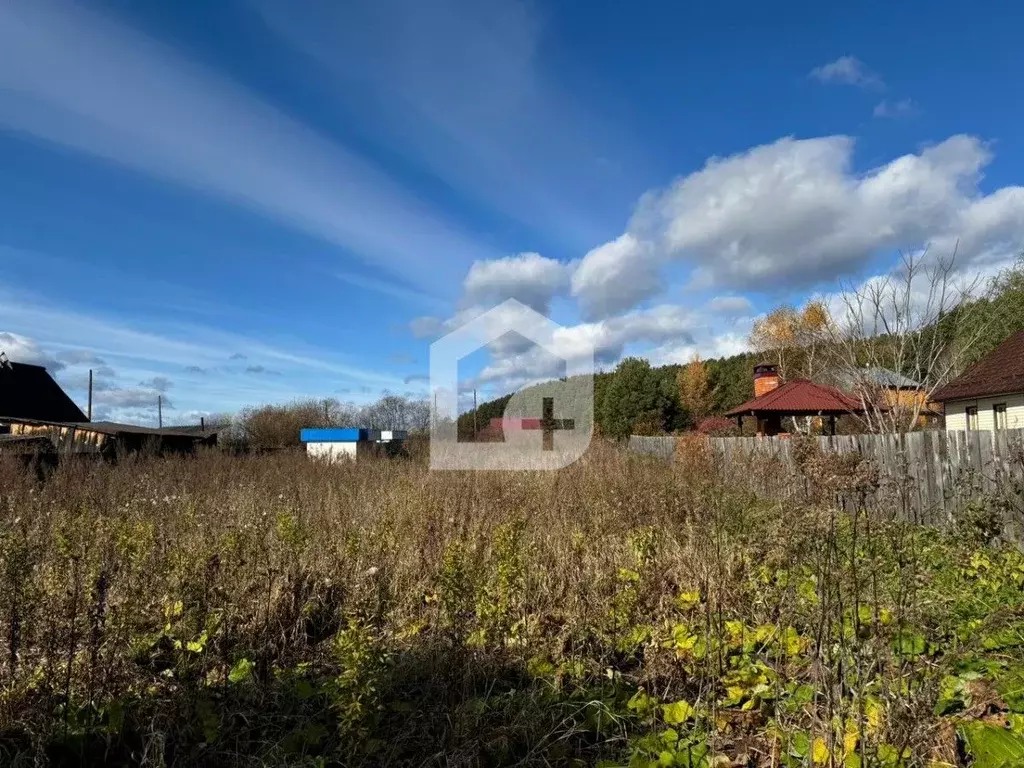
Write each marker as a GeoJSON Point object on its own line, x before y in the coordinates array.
{"type": "Point", "coordinates": [255, 200]}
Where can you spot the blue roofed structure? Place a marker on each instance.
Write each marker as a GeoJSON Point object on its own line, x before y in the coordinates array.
{"type": "Point", "coordinates": [335, 435]}
{"type": "Point", "coordinates": [335, 442]}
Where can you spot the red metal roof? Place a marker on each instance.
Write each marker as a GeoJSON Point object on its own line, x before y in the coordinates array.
{"type": "Point", "coordinates": [1001, 372]}
{"type": "Point", "coordinates": [800, 397]}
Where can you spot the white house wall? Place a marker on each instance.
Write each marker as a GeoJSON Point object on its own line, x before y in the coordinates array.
{"type": "Point", "coordinates": [332, 451]}
{"type": "Point", "coordinates": [956, 412]}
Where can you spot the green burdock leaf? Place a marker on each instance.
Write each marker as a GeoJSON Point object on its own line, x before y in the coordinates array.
{"type": "Point", "coordinates": [241, 672]}
{"type": "Point", "coordinates": [1011, 688]}
{"type": "Point", "coordinates": [677, 712]}
{"type": "Point", "coordinates": [688, 600]}
{"type": "Point", "coordinates": [951, 695]}
{"type": "Point", "coordinates": [642, 703]}
{"type": "Point", "coordinates": [197, 645]}
{"type": "Point", "coordinates": [992, 746]}
{"type": "Point", "coordinates": [1010, 637]}
{"type": "Point", "coordinates": [909, 644]}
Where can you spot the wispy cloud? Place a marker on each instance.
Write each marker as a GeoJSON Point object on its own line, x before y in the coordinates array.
{"type": "Point", "coordinates": [896, 109]}
{"type": "Point", "coordinates": [76, 78]}
{"type": "Point", "coordinates": [173, 347]}
{"type": "Point", "coordinates": [460, 88]}
{"type": "Point", "coordinates": [389, 288]}
{"type": "Point", "coordinates": [158, 383]}
{"type": "Point", "coordinates": [730, 305]}
{"type": "Point", "coordinates": [847, 70]}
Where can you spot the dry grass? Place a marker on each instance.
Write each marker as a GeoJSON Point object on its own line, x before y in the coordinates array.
{"type": "Point", "coordinates": [272, 610]}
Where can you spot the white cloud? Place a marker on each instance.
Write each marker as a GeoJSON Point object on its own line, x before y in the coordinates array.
{"type": "Point", "coordinates": [21, 349]}
{"type": "Point", "coordinates": [607, 339]}
{"type": "Point", "coordinates": [793, 214]}
{"type": "Point", "coordinates": [616, 276]}
{"type": "Point", "coordinates": [936, 285]}
{"type": "Point", "coordinates": [529, 277]}
{"type": "Point", "coordinates": [72, 77]}
{"type": "Point", "coordinates": [847, 70]}
{"type": "Point", "coordinates": [987, 231]}
{"type": "Point", "coordinates": [730, 305]}
{"type": "Point", "coordinates": [895, 109]}
{"type": "Point", "coordinates": [725, 344]}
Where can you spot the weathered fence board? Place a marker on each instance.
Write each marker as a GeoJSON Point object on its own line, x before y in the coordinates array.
{"type": "Point", "coordinates": [944, 468]}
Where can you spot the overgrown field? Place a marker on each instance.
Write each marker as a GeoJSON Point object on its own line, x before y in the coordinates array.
{"type": "Point", "coordinates": [273, 611]}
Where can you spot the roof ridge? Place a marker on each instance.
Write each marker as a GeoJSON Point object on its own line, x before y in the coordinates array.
{"type": "Point", "coordinates": [800, 396]}
{"type": "Point", "coordinates": [1004, 366]}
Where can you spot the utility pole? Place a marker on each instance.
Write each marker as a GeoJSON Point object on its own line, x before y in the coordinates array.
{"type": "Point", "coordinates": [160, 411]}
{"type": "Point", "coordinates": [202, 423]}
{"type": "Point", "coordinates": [474, 413]}
{"type": "Point", "coordinates": [89, 413]}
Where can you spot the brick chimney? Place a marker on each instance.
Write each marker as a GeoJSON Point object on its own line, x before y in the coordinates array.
{"type": "Point", "coordinates": [766, 378]}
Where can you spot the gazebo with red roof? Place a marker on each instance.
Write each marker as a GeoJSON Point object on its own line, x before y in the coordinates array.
{"type": "Point", "coordinates": [800, 397]}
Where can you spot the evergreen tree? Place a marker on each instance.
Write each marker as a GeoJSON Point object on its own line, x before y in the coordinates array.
{"type": "Point", "coordinates": [638, 397]}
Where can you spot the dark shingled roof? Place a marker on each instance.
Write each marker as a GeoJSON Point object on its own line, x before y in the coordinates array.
{"type": "Point", "coordinates": [800, 397]}
{"type": "Point", "coordinates": [29, 392]}
{"type": "Point", "coordinates": [1001, 372]}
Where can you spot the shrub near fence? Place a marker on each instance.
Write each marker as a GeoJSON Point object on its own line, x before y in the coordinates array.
{"type": "Point", "coordinates": [938, 472]}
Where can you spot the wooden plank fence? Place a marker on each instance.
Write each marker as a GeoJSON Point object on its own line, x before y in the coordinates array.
{"type": "Point", "coordinates": [939, 470]}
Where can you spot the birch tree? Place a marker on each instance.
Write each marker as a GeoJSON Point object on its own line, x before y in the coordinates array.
{"type": "Point", "coordinates": [694, 390]}
{"type": "Point", "coordinates": [793, 339]}
{"type": "Point", "coordinates": [918, 322]}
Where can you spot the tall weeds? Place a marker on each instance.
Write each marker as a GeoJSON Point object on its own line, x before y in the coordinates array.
{"type": "Point", "coordinates": [274, 610]}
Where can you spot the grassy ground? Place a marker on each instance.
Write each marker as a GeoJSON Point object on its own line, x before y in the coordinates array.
{"type": "Point", "coordinates": [273, 611]}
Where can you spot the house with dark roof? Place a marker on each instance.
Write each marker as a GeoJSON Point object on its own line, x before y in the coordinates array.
{"type": "Point", "coordinates": [29, 392]}
{"type": "Point", "coordinates": [990, 394]}
{"type": "Point", "coordinates": [35, 413]}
